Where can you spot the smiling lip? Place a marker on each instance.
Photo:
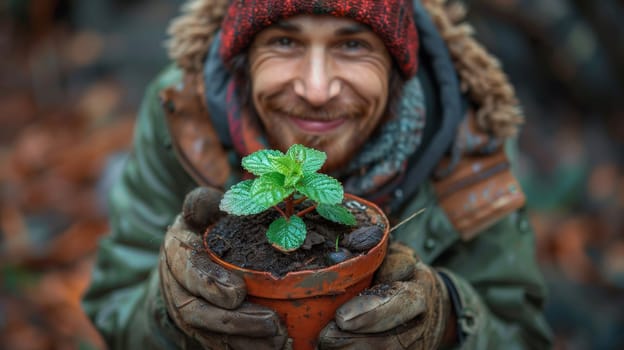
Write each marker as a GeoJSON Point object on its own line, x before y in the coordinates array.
{"type": "Point", "coordinates": [317, 126]}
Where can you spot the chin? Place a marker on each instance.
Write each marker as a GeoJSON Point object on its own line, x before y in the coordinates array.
{"type": "Point", "coordinates": [339, 150]}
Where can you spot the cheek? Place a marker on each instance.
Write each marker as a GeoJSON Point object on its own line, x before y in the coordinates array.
{"type": "Point", "coordinates": [269, 75]}
{"type": "Point", "coordinates": [370, 81]}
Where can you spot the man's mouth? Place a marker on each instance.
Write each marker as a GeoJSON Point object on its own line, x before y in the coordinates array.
{"type": "Point", "coordinates": [317, 126]}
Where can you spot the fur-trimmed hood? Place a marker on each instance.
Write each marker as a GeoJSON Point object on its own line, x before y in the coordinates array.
{"type": "Point", "coordinates": [482, 78]}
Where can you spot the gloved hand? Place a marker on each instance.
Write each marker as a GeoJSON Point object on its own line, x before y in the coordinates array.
{"type": "Point", "coordinates": [204, 300]}
{"type": "Point", "coordinates": [408, 307]}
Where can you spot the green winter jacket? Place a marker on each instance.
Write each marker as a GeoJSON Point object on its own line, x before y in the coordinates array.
{"type": "Point", "coordinates": [500, 288]}
{"type": "Point", "coordinates": [496, 283]}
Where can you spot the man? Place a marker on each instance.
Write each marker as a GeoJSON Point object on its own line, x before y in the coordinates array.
{"type": "Point", "coordinates": [374, 85]}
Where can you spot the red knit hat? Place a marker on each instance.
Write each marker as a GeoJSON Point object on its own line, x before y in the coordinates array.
{"type": "Point", "coordinates": [391, 20]}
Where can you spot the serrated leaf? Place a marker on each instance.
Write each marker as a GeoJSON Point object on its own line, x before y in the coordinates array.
{"type": "Point", "coordinates": [287, 235]}
{"type": "Point", "coordinates": [239, 201]}
{"type": "Point", "coordinates": [311, 160]}
{"type": "Point", "coordinates": [336, 213]}
{"type": "Point", "coordinates": [321, 188]}
{"type": "Point", "coordinates": [290, 169]}
{"type": "Point", "coordinates": [261, 162]}
{"type": "Point", "coordinates": [286, 165]}
{"type": "Point", "coordinates": [268, 189]}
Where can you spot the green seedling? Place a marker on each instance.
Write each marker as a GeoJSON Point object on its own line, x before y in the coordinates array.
{"type": "Point", "coordinates": [283, 181]}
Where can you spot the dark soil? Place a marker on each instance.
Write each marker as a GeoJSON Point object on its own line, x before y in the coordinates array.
{"type": "Point", "coordinates": [241, 240]}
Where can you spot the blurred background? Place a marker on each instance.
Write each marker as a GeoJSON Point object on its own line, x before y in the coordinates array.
{"type": "Point", "coordinates": [72, 74]}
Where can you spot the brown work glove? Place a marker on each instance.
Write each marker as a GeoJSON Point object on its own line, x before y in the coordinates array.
{"type": "Point", "coordinates": [204, 300]}
{"type": "Point", "coordinates": [407, 308]}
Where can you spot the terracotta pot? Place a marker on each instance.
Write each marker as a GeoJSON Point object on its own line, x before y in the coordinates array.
{"type": "Point", "coordinates": [307, 300]}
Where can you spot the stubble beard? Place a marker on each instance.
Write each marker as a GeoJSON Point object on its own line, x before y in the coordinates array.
{"type": "Point", "coordinates": [340, 150]}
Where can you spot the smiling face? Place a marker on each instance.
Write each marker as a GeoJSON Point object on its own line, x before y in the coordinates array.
{"type": "Point", "coordinates": [320, 81]}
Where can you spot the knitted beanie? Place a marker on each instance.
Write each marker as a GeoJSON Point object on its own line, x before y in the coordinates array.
{"type": "Point", "coordinates": [391, 20]}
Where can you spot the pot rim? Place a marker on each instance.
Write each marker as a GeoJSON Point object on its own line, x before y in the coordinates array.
{"type": "Point", "coordinates": [334, 278]}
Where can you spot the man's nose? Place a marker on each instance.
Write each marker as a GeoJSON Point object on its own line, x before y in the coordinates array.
{"type": "Point", "coordinates": [317, 83]}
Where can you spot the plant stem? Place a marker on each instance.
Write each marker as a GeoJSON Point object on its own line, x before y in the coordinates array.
{"type": "Point", "coordinates": [306, 210]}
{"type": "Point", "coordinates": [281, 212]}
{"type": "Point", "coordinates": [300, 200]}
{"type": "Point", "coordinates": [290, 208]}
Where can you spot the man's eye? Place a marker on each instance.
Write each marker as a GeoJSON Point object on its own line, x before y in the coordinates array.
{"type": "Point", "coordinates": [353, 45]}
{"type": "Point", "coordinates": [283, 41]}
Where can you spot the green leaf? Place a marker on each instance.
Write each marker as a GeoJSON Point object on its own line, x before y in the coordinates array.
{"type": "Point", "coordinates": [287, 166]}
{"type": "Point", "coordinates": [290, 169]}
{"type": "Point", "coordinates": [239, 201]}
{"type": "Point", "coordinates": [321, 188]}
{"type": "Point", "coordinates": [311, 160]}
{"type": "Point", "coordinates": [268, 189]}
{"type": "Point", "coordinates": [336, 213]}
{"type": "Point", "coordinates": [287, 235]}
{"type": "Point", "coordinates": [261, 162]}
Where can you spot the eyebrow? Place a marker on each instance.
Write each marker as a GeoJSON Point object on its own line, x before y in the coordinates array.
{"type": "Point", "coordinates": [352, 29]}
{"type": "Point", "coordinates": [342, 31]}
{"type": "Point", "coordinates": [286, 26]}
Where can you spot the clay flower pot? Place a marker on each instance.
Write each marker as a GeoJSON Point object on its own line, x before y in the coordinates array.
{"type": "Point", "coordinates": [307, 300]}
